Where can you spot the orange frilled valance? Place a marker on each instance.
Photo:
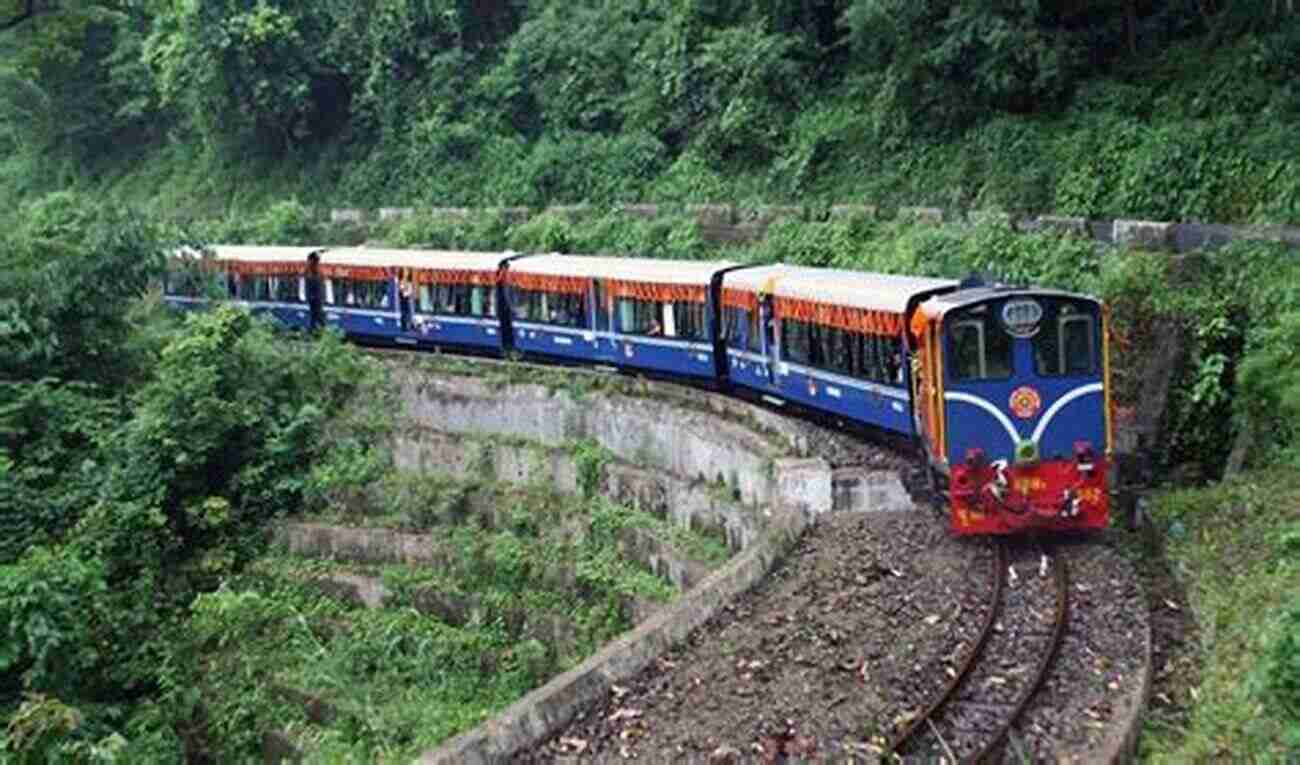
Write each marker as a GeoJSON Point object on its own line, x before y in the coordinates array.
{"type": "Point", "coordinates": [451, 276]}
{"type": "Point", "coordinates": [919, 324]}
{"type": "Point", "coordinates": [842, 317]}
{"type": "Point", "coordinates": [742, 299]}
{"type": "Point", "coordinates": [362, 273]}
{"type": "Point", "coordinates": [574, 285]}
{"type": "Point", "coordinates": [261, 267]}
{"type": "Point", "coordinates": [663, 293]}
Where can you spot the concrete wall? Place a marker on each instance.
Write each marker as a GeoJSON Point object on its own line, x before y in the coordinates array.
{"type": "Point", "coordinates": [652, 431]}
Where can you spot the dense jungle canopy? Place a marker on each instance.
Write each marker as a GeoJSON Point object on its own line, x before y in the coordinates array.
{"type": "Point", "coordinates": [1169, 109]}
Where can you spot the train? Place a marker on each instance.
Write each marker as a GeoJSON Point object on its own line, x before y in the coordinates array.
{"type": "Point", "coordinates": [1004, 390]}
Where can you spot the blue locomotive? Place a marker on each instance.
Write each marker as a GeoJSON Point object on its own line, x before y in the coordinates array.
{"type": "Point", "coordinates": [1005, 389]}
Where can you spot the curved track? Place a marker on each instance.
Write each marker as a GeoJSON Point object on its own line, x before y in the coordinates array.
{"type": "Point", "coordinates": [970, 720]}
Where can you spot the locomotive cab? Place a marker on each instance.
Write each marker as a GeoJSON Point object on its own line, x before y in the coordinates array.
{"type": "Point", "coordinates": [1014, 407]}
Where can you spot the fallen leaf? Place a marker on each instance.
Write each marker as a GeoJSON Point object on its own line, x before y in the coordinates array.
{"type": "Point", "coordinates": [624, 713]}
{"type": "Point", "coordinates": [801, 746]}
{"type": "Point", "coordinates": [905, 718]}
{"type": "Point", "coordinates": [572, 745]}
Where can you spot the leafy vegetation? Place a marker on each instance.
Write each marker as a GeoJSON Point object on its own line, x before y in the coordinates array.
{"type": "Point", "coordinates": [1086, 108]}
{"type": "Point", "coordinates": [140, 456]}
{"type": "Point", "coordinates": [533, 582]}
{"type": "Point", "coordinates": [1235, 546]}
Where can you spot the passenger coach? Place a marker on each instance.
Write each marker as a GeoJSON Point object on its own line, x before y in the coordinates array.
{"type": "Point", "coordinates": [828, 339]}
{"type": "Point", "coordinates": [1006, 390]}
{"type": "Point", "coordinates": [656, 315]}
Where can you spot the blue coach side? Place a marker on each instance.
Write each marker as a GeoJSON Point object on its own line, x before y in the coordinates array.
{"type": "Point", "coordinates": [269, 281]}
{"type": "Point", "coordinates": [826, 339]}
{"type": "Point", "coordinates": [646, 314]}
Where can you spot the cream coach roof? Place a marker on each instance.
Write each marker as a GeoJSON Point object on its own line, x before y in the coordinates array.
{"type": "Point", "coordinates": [857, 289]}
{"type": "Point", "coordinates": [757, 279]}
{"type": "Point", "coordinates": [627, 269]}
{"type": "Point", "coordinates": [441, 259]}
{"type": "Point", "coordinates": [255, 253]}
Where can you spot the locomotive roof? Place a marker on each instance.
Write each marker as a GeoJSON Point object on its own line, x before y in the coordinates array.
{"type": "Point", "coordinates": [440, 259]}
{"type": "Point", "coordinates": [941, 304]}
{"type": "Point", "coordinates": [627, 269]}
{"type": "Point", "coordinates": [856, 289]}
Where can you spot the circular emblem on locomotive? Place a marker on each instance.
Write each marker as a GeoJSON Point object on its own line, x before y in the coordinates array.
{"type": "Point", "coordinates": [1025, 402]}
{"type": "Point", "coordinates": [1022, 317]}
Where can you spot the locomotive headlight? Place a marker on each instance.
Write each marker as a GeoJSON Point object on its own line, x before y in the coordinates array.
{"type": "Point", "coordinates": [1084, 455]}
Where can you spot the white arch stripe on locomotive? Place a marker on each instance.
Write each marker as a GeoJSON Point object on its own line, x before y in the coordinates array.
{"type": "Point", "coordinates": [1052, 410]}
{"type": "Point", "coordinates": [986, 406]}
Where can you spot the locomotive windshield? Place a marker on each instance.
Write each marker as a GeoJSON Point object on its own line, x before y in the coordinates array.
{"type": "Point", "coordinates": [1066, 344]}
{"type": "Point", "coordinates": [1063, 334]}
{"type": "Point", "coordinates": [981, 348]}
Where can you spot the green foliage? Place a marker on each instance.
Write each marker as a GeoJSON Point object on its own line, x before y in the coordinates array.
{"type": "Point", "coordinates": [1241, 581]}
{"type": "Point", "coordinates": [1268, 384]}
{"type": "Point", "coordinates": [50, 437]}
{"type": "Point", "coordinates": [590, 459]}
{"type": "Point", "coordinates": [48, 610]}
{"type": "Point", "coordinates": [934, 64]}
{"type": "Point", "coordinates": [72, 268]}
{"type": "Point", "coordinates": [1016, 104]}
{"type": "Point", "coordinates": [148, 498]}
{"type": "Point", "coordinates": [1278, 676]}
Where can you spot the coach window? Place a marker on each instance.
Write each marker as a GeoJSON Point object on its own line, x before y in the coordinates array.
{"type": "Point", "coordinates": [252, 288]}
{"type": "Point", "coordinates": [796, 341]}
{"type": "Point", "coordinates": [732, 320]}
{"type": "Point", "coordinates": [640, 317]}
{"type": "Point", "coordinates": [358, 293]}
{"type": "Point", "coordinates": [1067, 346]}
{"type": "Point", "coordinates": [980, 349]}
{"type": "Point", "coordinates": [688, 320]}
{"type": "Point", "coordinates": [528, 305]}
{"type": "Point", "coordinates": [566, 309]}
{"type": "Point", "coordinates": [842, 349]}
{"type": "Point", "coordinates": [451, 299]}
{"type": "Point", "coordinates": [284, 289]}
{"type": "Point", "coordinates": [482, 301]}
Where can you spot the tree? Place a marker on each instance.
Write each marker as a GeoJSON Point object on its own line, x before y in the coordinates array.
{"type": "Point", "coordinates": [24, 10]}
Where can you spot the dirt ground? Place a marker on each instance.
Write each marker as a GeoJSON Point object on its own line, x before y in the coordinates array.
{"type": "Point", "coordinates": [820, 660]}
{"type": "Point", "coordinates": [850, 636]}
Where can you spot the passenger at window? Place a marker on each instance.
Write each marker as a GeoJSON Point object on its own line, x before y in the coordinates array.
{"type": "Point", "coordinates": [407, 292]}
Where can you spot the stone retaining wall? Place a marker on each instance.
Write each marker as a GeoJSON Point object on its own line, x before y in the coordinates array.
{"type": "Point", "coordinates": [726, 223]}
{"type": "Point", "coordinates": [653, 431]}
{"type": "Point", "coordinates": [694, 503]}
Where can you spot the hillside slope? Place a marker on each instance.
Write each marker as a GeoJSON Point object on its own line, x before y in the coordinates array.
{"type": "Point", "coordinates": [1162, 109]}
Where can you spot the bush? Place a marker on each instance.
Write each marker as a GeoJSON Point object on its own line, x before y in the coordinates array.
{"type": "Point", "coordinates": [1278, 678]}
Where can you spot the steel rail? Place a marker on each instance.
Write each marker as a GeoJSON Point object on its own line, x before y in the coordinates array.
{"type": "Point", "coordinates": [1061, 575]}
{"type": "Point", "coordinates": [912, 728]}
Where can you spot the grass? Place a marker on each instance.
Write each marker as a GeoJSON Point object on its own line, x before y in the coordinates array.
{"type": "Point", "coordinates": [1236, 546]}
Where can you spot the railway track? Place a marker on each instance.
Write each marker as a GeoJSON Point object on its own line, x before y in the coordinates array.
{"type": "Point", "coordinates": [971, 718]}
